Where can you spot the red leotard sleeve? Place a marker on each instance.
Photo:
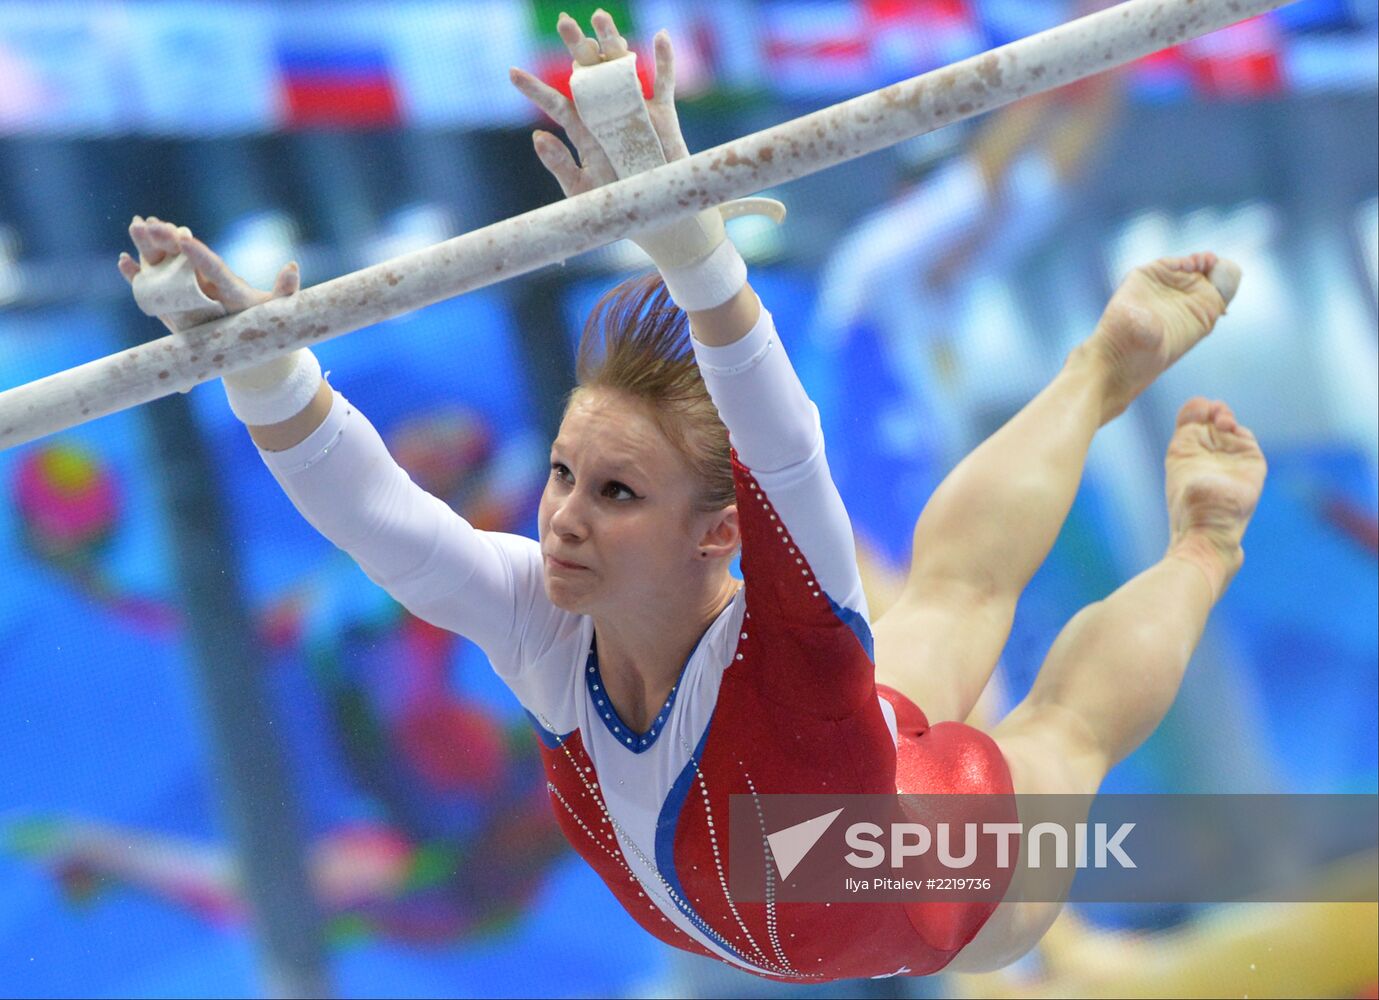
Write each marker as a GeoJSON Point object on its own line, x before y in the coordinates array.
{"type": "Point", "coordinates": [803, 591]}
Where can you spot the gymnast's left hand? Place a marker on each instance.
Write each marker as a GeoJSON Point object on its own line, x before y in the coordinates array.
{"type": "Point", "coordinates": [593, 169]}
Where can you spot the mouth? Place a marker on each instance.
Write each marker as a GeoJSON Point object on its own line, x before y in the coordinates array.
{"type": "Point", "coordinates": [555, 563]}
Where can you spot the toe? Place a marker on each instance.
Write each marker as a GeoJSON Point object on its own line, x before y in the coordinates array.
{"type": "Point", "coordinates": [1200, 262]}
{"type": "Point", "coordinates": [1196, 410]}
{"type": "Point", "coordinates": [1223, 416]}
{"type": "Point", "coordinates": [129, 267]}
{"type": "Point", "coordinates": [1225, 277]}
{"type": "Point", "coordinates": [163, 236]}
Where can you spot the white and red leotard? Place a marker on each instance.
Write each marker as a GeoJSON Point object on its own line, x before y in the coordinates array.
{"type": "Point", "coordinates": [778, 696]}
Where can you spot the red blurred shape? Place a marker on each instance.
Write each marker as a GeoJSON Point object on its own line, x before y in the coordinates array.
{"type": "Point", "coordinates": [336, 103]}
{"type": "Point", "coordinates": [1253, 74]}
{"type": "Point", "coordinates": [1352, 520]}
{"type": "Point", "coordinates": [453, 747]}
{"type": "Point", "coordinates": [927, 10]}
{"type": "Point", "coordinates": [1244, 60]}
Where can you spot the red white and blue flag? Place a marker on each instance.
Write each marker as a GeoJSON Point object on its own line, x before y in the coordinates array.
{"type": "Point", "coordinates": [348, 85]}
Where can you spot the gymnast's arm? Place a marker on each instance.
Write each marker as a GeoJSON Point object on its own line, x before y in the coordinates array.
{"type": "Point", "coordinates": [343, 480]}
{"type": "Point", "coordinates": [773, 424]}
{"type": "Point", "coordinates": [337, 471]}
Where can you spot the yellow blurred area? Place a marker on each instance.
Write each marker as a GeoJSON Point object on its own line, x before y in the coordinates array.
{"type": "Point", "coordinates": [68, 468]}
{"type": "Point", "coordinates": [1243, 950]}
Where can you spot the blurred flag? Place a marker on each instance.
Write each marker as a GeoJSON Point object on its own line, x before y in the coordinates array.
{"type": "Point", "coordinates": [840, 49]}
{"type": "Point", "coordinates": [1244, 60]}
{"type": "Point", "coordinates": [336, 83]}
{"type": "Point", "coordinates": [1162, 75]}
{"type": "Point", "coordinates": [908, 37]}
{"type": "Point", "coordinates": [815, 49]}
{"type": "Point", "coordinates": [192, 67]}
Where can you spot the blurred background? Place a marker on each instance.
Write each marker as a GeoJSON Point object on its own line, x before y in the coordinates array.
{"type": "Point", "coordinates": [231, 766]}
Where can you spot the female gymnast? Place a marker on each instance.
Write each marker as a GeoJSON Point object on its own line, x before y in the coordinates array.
{"type": "Point", "coordinates": [660, 685]}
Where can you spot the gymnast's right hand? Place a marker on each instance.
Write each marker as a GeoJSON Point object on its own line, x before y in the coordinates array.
{"type": "Point", "coordinates": [157, 241]}
{"type": "Point", "coordinates": [277, 392]}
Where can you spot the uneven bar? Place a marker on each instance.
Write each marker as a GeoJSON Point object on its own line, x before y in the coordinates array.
{"type": "Point", "coordinates": [802, 146]}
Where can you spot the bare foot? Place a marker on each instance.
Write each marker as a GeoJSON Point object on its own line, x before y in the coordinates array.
{"type": "Point", "coordinates": [1160, 311]}
{"type": "Point", "coordinates": [1215, 472]}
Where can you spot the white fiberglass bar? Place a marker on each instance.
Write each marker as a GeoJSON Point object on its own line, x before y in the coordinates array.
{"type": "Point", "coordinates": [1041, 62]}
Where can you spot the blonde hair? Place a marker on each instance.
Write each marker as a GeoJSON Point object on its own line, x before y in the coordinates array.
{"type": "Point", "coordinates": [636, 341]}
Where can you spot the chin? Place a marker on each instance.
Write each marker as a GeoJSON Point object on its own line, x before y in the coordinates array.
{"type": "Point", "coordinates": [567, 598]}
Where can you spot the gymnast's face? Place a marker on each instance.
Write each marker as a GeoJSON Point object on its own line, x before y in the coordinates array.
{"type": "Point", "coordinates": [617, 523]}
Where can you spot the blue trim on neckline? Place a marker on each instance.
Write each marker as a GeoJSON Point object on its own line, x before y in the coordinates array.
{"type": "Point", "coordinates": [627, 737]}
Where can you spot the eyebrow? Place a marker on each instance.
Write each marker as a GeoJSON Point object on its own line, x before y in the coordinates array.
{"type": "Point", "coordinates": [617, 466]}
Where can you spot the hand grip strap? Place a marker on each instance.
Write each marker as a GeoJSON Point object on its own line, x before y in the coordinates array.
{"type": "Point", "coordinates": [169, 291]}
{"type": "Point", "coordinates": [608, 97]}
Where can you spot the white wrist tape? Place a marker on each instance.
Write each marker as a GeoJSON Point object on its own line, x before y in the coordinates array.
{"type": "Point", "coordinates": [708, 283]}
{"type": "Point", "coordinates": [276, 390]}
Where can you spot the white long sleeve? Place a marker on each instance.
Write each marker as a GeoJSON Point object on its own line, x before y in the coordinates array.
{"type": "Point", "coordinates": [486, 586]}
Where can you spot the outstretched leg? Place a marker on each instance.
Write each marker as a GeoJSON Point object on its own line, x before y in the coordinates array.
{"type": "Point", "coordinates": [992, 521]}
{"type": "Point", "coordinates": [1114, 670]}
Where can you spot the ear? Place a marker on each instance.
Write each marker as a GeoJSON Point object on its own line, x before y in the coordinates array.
{"type": "Point", "coordinates": [721, 534]}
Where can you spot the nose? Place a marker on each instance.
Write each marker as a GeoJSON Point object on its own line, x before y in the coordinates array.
{"type": "Point", "coordinates": [568, 518]}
